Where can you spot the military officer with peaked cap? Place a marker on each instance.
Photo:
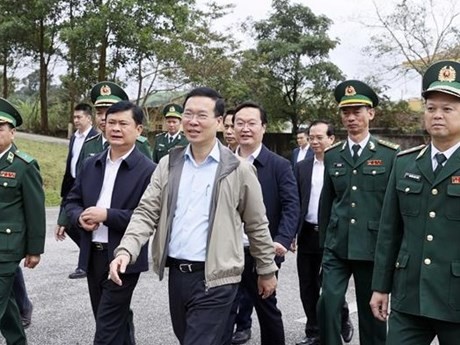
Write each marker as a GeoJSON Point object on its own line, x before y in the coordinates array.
{"type": "Point", "coordinates": [164, 142]}
{"type": "Point", "coordinates": [356, 174]}
{"type": "Point", "coordinates": [418, 249]}
{"type": "Point", "coordinates": [22, 219]}
{"type": "Point", "coordinates": [103, 95]}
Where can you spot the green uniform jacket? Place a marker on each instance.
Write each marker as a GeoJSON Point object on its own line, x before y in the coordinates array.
{"type": "Point", "coordinates": [94, 145]}
{"type": "Point", "coordinates": [352, 198]}
{"type": "Point", "coordinates": [162, 146]}
{"type": "Point", "coordinates": [418, 248]}
{"type": "Point", "coordinates": [22, 207]}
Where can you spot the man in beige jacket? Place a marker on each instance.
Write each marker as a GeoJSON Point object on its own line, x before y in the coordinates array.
{"type": "Point", "coordinates": [195, 206]}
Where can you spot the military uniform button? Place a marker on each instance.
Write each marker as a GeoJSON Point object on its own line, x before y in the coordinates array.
{"type": "Point", "coordinates": [432, 214]}
{"type": "Point", "coordinates": [355, 172]}
{"type": "Point", "coordinates": [336, 173]}
{"type": "Point", "coordinates": [353, 204]}
{"type": "Point", "coordinates": [407, 190]}
{"type": "Point", "coordinates": [8, 231]}
{"type": "Point", "coordinates": [427, 261]}
{"type": "Point", "coordinates": [353, 221]}
{"type": "Point", "coordinates": [429, 238]}
{"type": "Point", "coordinates": [5, 184]}
{"type": "Point", "coordinates": [354, 188]}
{"type": "Point", "coordinates": [397, 264]}
{"type": "Point", "coordinates": [374, 172]}
{"type": "Point", "coordinates": [434, 191]}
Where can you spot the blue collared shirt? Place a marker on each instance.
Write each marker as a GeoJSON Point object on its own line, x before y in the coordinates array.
{"type": "Point", "coordinates": [190, 226]}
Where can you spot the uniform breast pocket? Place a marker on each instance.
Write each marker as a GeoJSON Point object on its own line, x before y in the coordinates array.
{"type": "Point", "coordinates": [374, 178]}
{"type": "Point", "coordinates": [11, 238]}
{"type": "Point", "coordinates": [8, 190]}
{"type": "Point", "coordinates": [339, 178]}
{"type": "Point", "coordinates": [409, 196]}
{"type": "Point", "coordinates": [452, 204]}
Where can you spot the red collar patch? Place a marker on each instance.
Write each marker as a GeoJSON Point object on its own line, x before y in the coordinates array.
{"type": "Point", "coordinates": [455, 179]}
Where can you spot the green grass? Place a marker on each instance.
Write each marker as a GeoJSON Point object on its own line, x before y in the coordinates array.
{"type": "Point", "coordinates": [51, 158]}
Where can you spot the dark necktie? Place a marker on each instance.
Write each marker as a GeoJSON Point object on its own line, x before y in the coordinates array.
{"type": "Point", "coordinates": [355, 149]}
{"type": "Point", "coordinates": [170, 139]}
{"type": "Point", "coordinates": [106, 144]}
{"type": "Point", "coordinates": [440, 158]}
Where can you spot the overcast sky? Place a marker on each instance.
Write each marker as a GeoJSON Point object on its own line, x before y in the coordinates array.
{"type": "Point", "coordinates": [348, 17]}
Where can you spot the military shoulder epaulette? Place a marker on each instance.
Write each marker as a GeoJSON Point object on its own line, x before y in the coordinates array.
{"type": "Point", "coordinates": [141, 139]}
{"type": "Point", "coordinates": [388, 144]}
{"type": "Point", "coordinates": [412, 149]}
{"type": "Point", "coordinates": [24, 156]}
{"type": "Point", "coordinates": [159, 134]}
{"type": "Point", "coordinates": [93, 137]}
{"type": "Point", "coordinates": [334, 145]}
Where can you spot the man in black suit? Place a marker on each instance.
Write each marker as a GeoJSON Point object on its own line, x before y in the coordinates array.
{"type": "Point", "coordinates": [309, 174]}
{"type": "Point", "coordinates": [304, 150]}
{"type": "Point", "coordinates": [281, 201]}
{"type": "Point", "coordinates": [105, 193]}
{"type": "Point", "coordinates": [82, 121]}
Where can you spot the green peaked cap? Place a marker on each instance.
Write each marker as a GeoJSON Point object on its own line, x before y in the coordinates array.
{"type": "Point", "coordinates": [442, 76]}
{"type": "Point", "coordinates": [351, 93]}
{"type": "Point", "coordinates": [9, 114]}
{"type": "Point", "coordinates": [106, 93]}
{"type": "Point", "coordinates": [172, 110]}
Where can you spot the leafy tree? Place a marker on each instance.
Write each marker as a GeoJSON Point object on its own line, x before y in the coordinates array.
{"type": "Point", "coordinates": [294, 44]}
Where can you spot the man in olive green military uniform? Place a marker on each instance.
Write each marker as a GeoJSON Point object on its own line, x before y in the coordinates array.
{"type": "Point", "coordinates": [356, 174]}
{"type": "Point", "coordinates": [22, 220]}
{"type": "Point", "coordinates": [103, 95]}
{"type": "Point", "coordinates": [418, 249]}
{"type": "Point", "coordinates": [164, 142]}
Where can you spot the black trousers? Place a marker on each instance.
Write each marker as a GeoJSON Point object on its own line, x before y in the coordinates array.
{"type": "Point", "coordinates": [198, 314]}
{"type": "Point", "coordinates": [110, 302]}
{"type": "Point", "coordinates": [270, 318]}
{"type": "Point", "coordinates": [308, 271]}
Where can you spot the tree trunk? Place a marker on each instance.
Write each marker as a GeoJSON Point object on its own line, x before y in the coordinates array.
{"type": "Point", "coordinates": [43, 82]}
{"type": "Point", "coordinates": [103, 59]}
{"type": "Point", "coordinates": [5, 78]}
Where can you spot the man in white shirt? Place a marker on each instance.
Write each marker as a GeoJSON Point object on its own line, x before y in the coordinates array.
{"type": "Point", "coordinates": [106, 191]}
{"type": "Point", "coordinates": [82, 120]}
{"type": "Point", "coordinates": [303, 151]}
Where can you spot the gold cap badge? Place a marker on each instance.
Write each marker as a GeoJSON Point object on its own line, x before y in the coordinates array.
{"type": "Point", "coordinates": [447, 73]}
{"type": "Point", "coordinates": [105, 90]}
{"type": "Point", "coordinates": [172, 109]}
{"type": "Point", "coordinates": [350, 91]}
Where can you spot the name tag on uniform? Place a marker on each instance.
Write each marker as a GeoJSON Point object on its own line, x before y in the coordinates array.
{"type": "Point", "coordinates": [8, 174]}
{"type": "Point", "coordinates": [455, 179]}
{"type": "Point", "coordinates": [375, 162]}
{"type": "Point", "coordinates": [412, 176]}
{"type": "Point", "coordinates": [338, 165]}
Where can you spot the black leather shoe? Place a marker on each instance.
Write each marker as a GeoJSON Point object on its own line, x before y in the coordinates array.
{"type": "Point", "coordinates": [26, 318]}
{"type": "Point", "coordinates": [241, 337]}
{"type": "Point", "coordinates": [347, 331]}
{"type": "Point", "coordinates": [77, 274]}
{"type": "Point", "coordinates": [309, 341]}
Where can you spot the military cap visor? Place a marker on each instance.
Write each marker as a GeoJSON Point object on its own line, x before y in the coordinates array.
{"type": "Point", "coordinates": [9, 114]}
{"type": "Point", "coordinates": [107, 93]}
{"type": "Point", "coordinates": [354, 93]}
{"type": "Point", "coordinates": [173, 110]}
{"type": "Point", "coordinates": [442, 76]}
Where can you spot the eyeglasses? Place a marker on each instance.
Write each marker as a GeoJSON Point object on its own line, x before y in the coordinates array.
{"type": "Point", "coordinates": [199, 117]}
{"type": "Point", "coordinates": [250, 124]}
